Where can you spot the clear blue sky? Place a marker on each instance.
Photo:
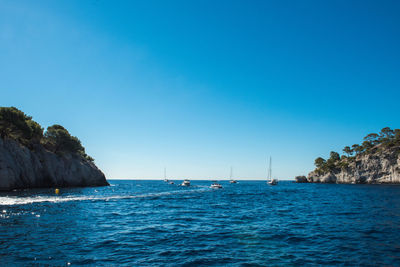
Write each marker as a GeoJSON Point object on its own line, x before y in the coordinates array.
{"type": "Point", "coordinates": [199, 86]}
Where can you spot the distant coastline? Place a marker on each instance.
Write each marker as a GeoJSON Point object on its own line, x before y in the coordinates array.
{"type": "Point", "coordinates": [375, 161]}
{"type": "Point", "coordinates": [32, 158]}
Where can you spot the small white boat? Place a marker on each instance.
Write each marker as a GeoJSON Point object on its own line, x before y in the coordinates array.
{"type": "Point", "coordinates": [271, 181]}
{"type": "Point", "coordinates": [165, 175]}
{"type": "Point", "coordinates": [185, 182]}
{"type": "Point", "coordinates": [171, 182]}
{"type": "Point", "coordinates": [232, 181]}
{"type": "Point", "coordinates": [215, 185]}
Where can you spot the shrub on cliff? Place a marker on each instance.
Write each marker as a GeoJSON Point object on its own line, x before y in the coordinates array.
{"type": "Point", "coordinates": [324, 166]}
{"type": "Point", "coordinates": [58, 140]}
{"type": "Point", "coordinates": [16, 125]}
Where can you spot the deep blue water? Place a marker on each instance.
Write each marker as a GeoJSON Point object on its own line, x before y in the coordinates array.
{"type": "Point", "coordinates": [151, 223]}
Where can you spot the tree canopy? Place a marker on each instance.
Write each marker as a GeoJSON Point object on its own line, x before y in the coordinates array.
{"type": "Point", "coordinates": [334, 156]}
{"type": "Point", "coordinates": [372, 137]}
{"type": "Point", "coordinates": [319, 162]}
{"type": "Point", "coordinates": [58, 139]}
{"type": "Point", "coordinates": [348, 151]}
{"type": "Point", "coordinates": [16, 125]}
{"type": "Point", "coordinates": [385, 139]}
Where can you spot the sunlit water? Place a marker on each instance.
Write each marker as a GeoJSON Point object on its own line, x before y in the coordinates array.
{"type": "Point", "coordinates": [152, 223]}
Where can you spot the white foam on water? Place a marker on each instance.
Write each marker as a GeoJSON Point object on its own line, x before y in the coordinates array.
{"type": "Point", "coordinates": [11, 201]}
{"type": "Point", "coordinates": [202, 186]}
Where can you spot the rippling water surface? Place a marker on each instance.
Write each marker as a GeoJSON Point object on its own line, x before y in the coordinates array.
{"type": "Point", "coordinates": [152, 223]}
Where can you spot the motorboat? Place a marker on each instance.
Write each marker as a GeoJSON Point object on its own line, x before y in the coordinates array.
{"type": "Point", "coordinates": [185, 182]}
{"type": "Point", "coordinates": [232, 181]}
{"type": "Point", "coordinates": [215, 185]}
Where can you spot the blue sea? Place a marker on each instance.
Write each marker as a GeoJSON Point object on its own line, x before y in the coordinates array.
{"type": "Point", "coordinates": [152, 223]}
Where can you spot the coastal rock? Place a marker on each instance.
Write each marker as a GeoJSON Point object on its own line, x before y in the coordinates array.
{"type": "Point", "coordinates": [382, 167]}
{"type": "Point", "coordinates": [21, 167]}
{"type": "Point", "coordinates": [301, 179]}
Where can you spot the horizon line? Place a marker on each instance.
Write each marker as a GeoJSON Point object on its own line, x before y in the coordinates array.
{"type": "Point", "coordinates": [195, 179]}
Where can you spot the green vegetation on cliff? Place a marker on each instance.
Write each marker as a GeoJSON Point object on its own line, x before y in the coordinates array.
{"type": "Point", "coordinates": [386, 140]}
{"type": "Point", "coordinates": [16, 125]}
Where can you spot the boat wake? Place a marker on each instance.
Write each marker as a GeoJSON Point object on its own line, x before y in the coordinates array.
{"type": "Point", "coordinates": [10, 201]}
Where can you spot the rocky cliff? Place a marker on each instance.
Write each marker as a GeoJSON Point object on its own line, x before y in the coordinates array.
{"type": "Point", "coordinates": [379, 167]}
{"type": "Point", "coordinates": [21, 167]}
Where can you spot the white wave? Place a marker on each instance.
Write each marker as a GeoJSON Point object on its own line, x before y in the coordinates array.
{"type": "Point", "coordinates": [202, 186]}
{"type": "Point", "coordinates": [10, 201]}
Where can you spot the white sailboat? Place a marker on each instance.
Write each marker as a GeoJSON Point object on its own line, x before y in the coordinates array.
{"type": "Point", "coordinates": [165, 175]}
{"type": "Point", "coordinates": [231, 180]}
{"type": "Point", "coordinates": [270, 180]}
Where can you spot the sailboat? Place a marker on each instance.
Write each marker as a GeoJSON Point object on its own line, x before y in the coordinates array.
{"type": "Point", "coordinates": [165, 177]}
{"type": "Point", "coordinates": [270, 180]}
{"type": "Point", "coordinates": [230, 178]}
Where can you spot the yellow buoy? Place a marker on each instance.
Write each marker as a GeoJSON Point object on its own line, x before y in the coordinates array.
{"type": "Point", "coordinates": [57, 191]}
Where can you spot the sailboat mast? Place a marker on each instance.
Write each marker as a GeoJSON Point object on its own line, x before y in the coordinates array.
{"type": "Point", "coordinates": [269, 174]}
{"type": "Point", "coordinates": [270, 168]}
{"type": "Point", "coordinates": [230, 177]}
{"type": "Point", "coordinates": [165, 173]}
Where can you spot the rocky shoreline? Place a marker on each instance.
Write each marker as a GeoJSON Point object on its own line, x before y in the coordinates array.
{"type": "Point", "coordinates": [377, 161]}
{"type": "Point", "coordinates": [21, 167]}
{"type": "Point", "coordinates": [32, 158]}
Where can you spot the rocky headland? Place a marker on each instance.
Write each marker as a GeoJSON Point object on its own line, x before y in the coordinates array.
{"type": "Point", "coordinates": [31, 159]}
{"type": "Point", "coordinates": [375, 161]}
